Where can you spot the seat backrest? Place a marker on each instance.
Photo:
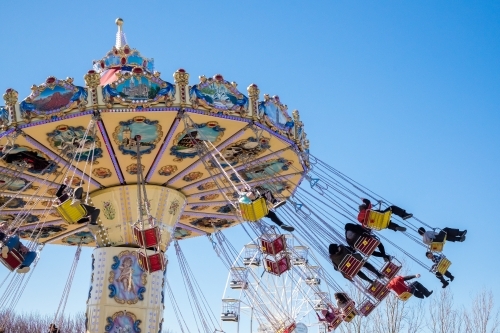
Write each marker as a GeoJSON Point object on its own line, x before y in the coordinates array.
{"type": "Point", "coordinates": [377, 220]}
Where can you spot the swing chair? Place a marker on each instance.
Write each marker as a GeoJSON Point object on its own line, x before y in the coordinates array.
{"type": "Point", "coordinates": [71, 213]}
{"type": "Point", "coordinates": [377, 220]}
{"type": "Point", "coordinates": [443, 265]}
{"type": "Point", "coordinates": [349, 311]}
{"type": "Point", "coordinates": [437, 246]}
{"type": "Point", "coordinates": [148, 237]}
{"type": "Point", "coordinates": [366, 308]}
{"type": "Point", "coordinates": [350, 266]}
{"type": "Point", "coordinates": [378, 290]}
{"type": "Point", "coordinates": [255, 210]}
{"type": "Point", "coordinates": [404, 296]}
{"type": "Point", "coordinates": [366, 245]}
{"type": "Point", "coordinates": [13, 261]}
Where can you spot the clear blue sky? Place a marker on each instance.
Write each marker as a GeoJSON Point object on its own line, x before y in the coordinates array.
{"type": "Point", "coordinates": [412, 85]}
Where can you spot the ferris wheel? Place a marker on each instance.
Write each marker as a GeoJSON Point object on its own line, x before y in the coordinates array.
{"type": "Point", "coordinates": [282, 300]}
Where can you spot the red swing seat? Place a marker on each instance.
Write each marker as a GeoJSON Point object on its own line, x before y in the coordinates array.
{"type": "Point", "coordinates": [153, 262]}
{"type": "Point", "coordinates": [378, 290]}
{"type": "Point", "coordinates": [350, 266]}
{"type": "Point", "coordinates": [13, 261]}
{"type": "Point", "coordinates": [349, 311]}
{"type": "Point", "coordinates": [150, 237]}
{"type": "Point", "coordinates": [366, 245]}
{"type": "Point", "coordinates": [366, 308]}
{"type": "Point", "coordinates": [390, 270]}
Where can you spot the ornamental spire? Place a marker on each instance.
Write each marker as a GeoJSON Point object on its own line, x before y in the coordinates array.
{"type": "Point", "coordinates": [121, 39]}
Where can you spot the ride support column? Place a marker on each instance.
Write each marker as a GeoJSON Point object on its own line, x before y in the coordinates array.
{"type": "Point", "coordinates": [122, 296]}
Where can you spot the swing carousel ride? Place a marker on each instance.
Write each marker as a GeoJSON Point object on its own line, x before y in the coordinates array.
{"type": "Point", "coordinates": [162, 162]}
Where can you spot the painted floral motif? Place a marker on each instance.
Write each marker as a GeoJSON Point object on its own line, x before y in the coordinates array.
{"type": "Point", "coordinates": [12, 202]}
{"type": "Point", "coordinates": [125, 133]}
{"type": "Point", "coordinates": [182, 233]}
{"type": "Point", "coordinates": [38, 162]}
{"type": "Point", "coordinates": [81, 237]}
{"type": "Point", "coordinates": [275, 114]}
{"type": "Point", "coordinates": [206, 186]}
{"type": "Point", "coordinates": [192, 176]}
{"type": "Point", "coordinates": [52, 191]}
{"type": "Point", "coordinates": [132, 168]}
{"type": "Point", "coordinates": [185, 143]}
{"type": "Point", "coordinates": [174, 207]}
{"type": "Point", "coordinates": [267, 169]}
{"type": "Point", "coordinates": [167, 170]}
{"type": "Point", "coordinates": [210, 222]}
{"type": "Point", "coordinates": [227, 209]}
{"type": "Point", "coordinates": [184, 217]}
{"type": "Point", "coordinates": [122, 322]}
{"type": "Point", "coordinates": [47, 203]}
{"type": "Point", "coordinates": [242, 151]}
{"type": "Point", "coordinates": [127, 280]}
{"type": "Point", "coordinates": [199, 208]}
{"type": "Point", "coordinates": [102, 172]}
{"type": "Point", "coordinates": [219, 94]}
{"type": "Point", "coordinates": [53, 96]}
{"type": "Point", "coordinates": [209, 197]}
{"type": "Point", "coordinates": [73, 142]}
{"type": "Point", "coordinates": [45, 232]}
{"type": "Point", "coordinates": [77, 181]}
{"type": "Point", "coordinates": [109, 210]}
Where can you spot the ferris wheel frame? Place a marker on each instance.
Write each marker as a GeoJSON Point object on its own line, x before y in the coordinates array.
{"type": "Point", "coordinates": [276, 303]}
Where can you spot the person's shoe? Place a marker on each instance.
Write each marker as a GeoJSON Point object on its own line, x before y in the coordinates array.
{"type": "Point", "coordinates": [279, 204]}
{"type": "Point", "coordinates": [452, 278]}
{"type": "Point", "coordinates": [462, 238]}
{"type": "Point", "coordinates": [288, 228]}
{"type": "Point", "coordinates": [380, 275]}
{"type": "Point", "coordinates": [402, 229]}
{"type": "Point", "coordinates": [5, 252]}
{"type": "Point", "coordinates": [388, 258]}
{"type": "Point", "coordinates": [407, 216]}
{"type": "Point", "coordinates": [445, 284]}
{"type": "Point", "coordinates": [463, 233]}
{"type": "Point", "coordinates": [23, 269]}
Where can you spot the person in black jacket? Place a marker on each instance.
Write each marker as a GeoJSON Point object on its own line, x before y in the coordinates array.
{"type": "Point", "coordinates": [339, 252]}
{"type": "Point", "coordinates": [353, 232]}
{"type": "Point", "coordinates": [62, 195]}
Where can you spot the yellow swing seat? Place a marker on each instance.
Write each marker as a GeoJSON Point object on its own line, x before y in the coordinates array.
{"type": "Point", "coordinates": [437, 246]}
{"type": "Point", "coordinates": [72, 214]}
{"type": "Point", "coordinates": [254, 211]}
{"type": "Point", "coordinates": [377, 220]}
{"type": "Point", "coordinates": [404, 296]}
{"type": "Point", "coordinates": [443, 266]}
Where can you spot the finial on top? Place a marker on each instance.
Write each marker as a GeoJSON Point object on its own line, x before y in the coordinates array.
{"type": "Point", "coordinates": [119, 22]}
{"type": "Point", "coordinates": [121, 40]}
